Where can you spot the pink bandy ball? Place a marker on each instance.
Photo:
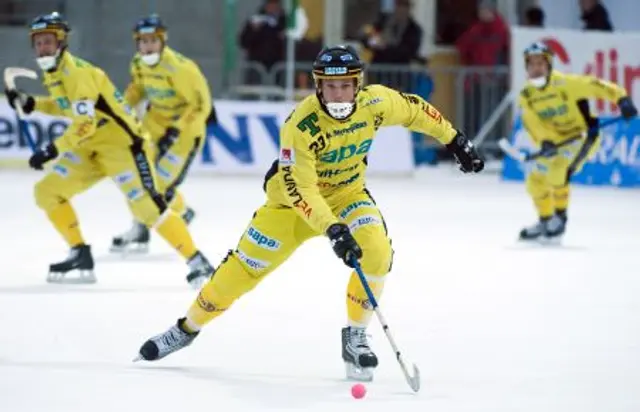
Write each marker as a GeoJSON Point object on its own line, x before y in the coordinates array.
{"type": "Point", "coordinates": [358, 391]}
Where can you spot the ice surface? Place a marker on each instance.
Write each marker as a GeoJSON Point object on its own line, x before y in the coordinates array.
{"type": "Point", "coordinates": [493, 326]}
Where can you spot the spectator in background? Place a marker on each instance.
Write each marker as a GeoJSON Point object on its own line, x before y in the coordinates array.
{"type": "Point", "coordinates": [263, 38]}
{"type": "Point", "coordinates": [485, 43]}
{"type": "Point", "coordinates": [534, 17]}
{"type": "Point", "coordinates": [395, 37]}
{"type": "Point", "coordinates": [595, 16]}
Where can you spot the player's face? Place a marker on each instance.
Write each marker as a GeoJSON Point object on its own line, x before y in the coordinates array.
{"type": "Point", "coordinates": [537, 66]}
{"type": "Point", "coordinates": [338, 90]}
{"type": "Point", "coordinates": [45, 44]}
{"type": "Point", "coordinates": [149, 44]}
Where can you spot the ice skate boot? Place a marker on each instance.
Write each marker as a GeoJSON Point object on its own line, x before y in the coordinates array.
{"type": "Point", "coordinates": [554, 229]}
{"type": "Point", "coordinates": [359, 359]}
{"type": "Point", "coordinates": [166, 343]}
{"type": "Point", "coordinates": [201, 271]}
{"type": "Point", "coordinates": [79, 259]}
{"type": "Point", "coordinates": [135, 240]}
{"type": "Point", "coordinates": [188, 215]}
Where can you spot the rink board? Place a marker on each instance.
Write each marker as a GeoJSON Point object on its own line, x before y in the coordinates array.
{"type": "Point", "coordinates": [244, 142]}
{"type": "Point", "coordinates": [617, 163]}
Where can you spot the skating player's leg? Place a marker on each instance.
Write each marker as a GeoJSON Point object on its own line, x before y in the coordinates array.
{"type": "Point", "coordinates": [541, 192]}
{"type": "Point", "coordinates": [365, 221]}
{"type": "Point", "coordinates": [72, 173]}
{"type": "Point", "coordinates": [271, 237]}
{"type": "Point", "coordinates": [135, 176]}
{"type": "Point", "coordinates": [173, 168]}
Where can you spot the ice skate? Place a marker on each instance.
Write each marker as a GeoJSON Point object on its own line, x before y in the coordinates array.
{"type": "Point", "coordinates": [80, 260]}
{"type": "Point", "coordinates": [359, 359]}
{"type": "Point", "coordinates": [201, 271]}
{"type": "Point", "coordinates": [166, 343]}
{"type": "Point", "coordinates": [188, 215]}
{"type": "Point", "coordinates": [135, 240]}
{"type": "Point", "coordinates": [547, 230]}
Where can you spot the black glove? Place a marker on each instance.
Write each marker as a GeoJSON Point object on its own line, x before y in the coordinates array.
{"type": "Point", "coordinates": [465, 154]}
{"type": "Point", "coordinates": [28, 102]}
{"type": "Point", "coordinates": [166, 141]}
{"type": "Point", "coordinates": [343, 243]}
{"type": "Point", "coordinates": [548, 149]}
{"type": "Point", "coordinates": [627, 109]}
{"type": "Point", "coordinates": [42, 156]}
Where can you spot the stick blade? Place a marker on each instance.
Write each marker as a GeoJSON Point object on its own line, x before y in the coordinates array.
{"type": "Point", "coordinates": [10, 74]}
{"type": "Point", "coordinates": [511, 151]}
{"type": "Point", "coordinates": [414, 381]}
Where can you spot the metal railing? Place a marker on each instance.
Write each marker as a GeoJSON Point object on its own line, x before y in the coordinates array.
{"type": "Point", "coordinates": [470, 95]}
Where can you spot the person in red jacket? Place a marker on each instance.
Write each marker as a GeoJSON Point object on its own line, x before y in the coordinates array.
{"type": "Point", "coordinates": [485, 43]}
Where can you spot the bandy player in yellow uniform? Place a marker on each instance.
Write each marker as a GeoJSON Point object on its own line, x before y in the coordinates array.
{"type": "Point", "coordinates": [103, 140]}
{"type": "Point", "coordinates": [317, 187]}
{"type": "Point", "coordinates": [179, 105]}
{"type": "Point", "coordinates": [555, 107]}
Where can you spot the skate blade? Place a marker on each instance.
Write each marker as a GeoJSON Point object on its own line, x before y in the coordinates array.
{"type": "Point", "coordinates": [551, 241]}
{"type": "Point", "coordinates": [86, 277]}
{"type": "Point", "coordinates": [131, 249]}
{"type": "Point", "coordinates": [355, 373]}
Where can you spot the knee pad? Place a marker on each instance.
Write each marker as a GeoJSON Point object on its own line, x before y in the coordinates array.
{"type": "Point", "coordinates": [230, 281]}
{"type": "Point", "coordinates": [45, 196]}
{"type": "Point", "coordinates": [148, 209]}
{"type": "Point", "coordinates": [377, 259]}
{"type": "Point", "coordinates": [537, 185]}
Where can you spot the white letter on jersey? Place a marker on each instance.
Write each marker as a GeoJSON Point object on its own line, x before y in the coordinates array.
{"type": "Point", "coordinates": [84, 108]}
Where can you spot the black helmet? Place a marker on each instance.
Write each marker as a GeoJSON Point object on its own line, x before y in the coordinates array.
{"type": "Point", "coordinates": [338, 62]}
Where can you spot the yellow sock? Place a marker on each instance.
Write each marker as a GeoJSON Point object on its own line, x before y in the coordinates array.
{"type": "Point", "coordinates": [230, 281]}
{"type": "Point", "coordinates": [544, 205]}
{"type": "Point", "coordinates": [173, 229]}
{"type": "Point", "coordinates": [65, 221]}
{"type": "Point", "coordinates": [358, 309]}
{"type": "Point", "coordinates": [561, 197]}
{"type": "Point", "coordinates": [177, 204]}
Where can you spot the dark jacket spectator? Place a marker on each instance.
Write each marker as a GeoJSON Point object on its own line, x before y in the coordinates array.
{"type": "Point", "coordinates": [395, 37]}
{"type": "Point", "coordinates": [534, 17]}
{"type": "Point", "coordinates": [595, 16]}
{"type": "Point", "coordinates": [263, 35]}
{"type": "Point", "coordinates": [486, 42]}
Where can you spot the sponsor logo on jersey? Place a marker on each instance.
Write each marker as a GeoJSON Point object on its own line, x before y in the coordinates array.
{"type": "Point", "coordinates": [61, 170]}
{"type": "Point", "coordinates": [353, 206]}
{"type": "Point", "coordinates": [373, 101]}
{"type": "Point", "coordinates": [364, 221]}
{"type": "Point", "coordinates": [71, 157]}
{"type": "Point", "coordinates": [258, 238]}
{"type": "Point", "coordinates": [352, 128]}
{"type": "Point", "coordinates": [328, 173]}
{"type": "Point", "coordinates": [172, 158]}
{"type": "Point", "coordinates": [124, 178]}
{"type": "Point", "coordinates": [293, 193]}
{"type": "Point", "coordinates": [287, 156]}
{"type": "Point", "coordinates": [134, 194]}
{"type": "Point", "coordinates": [63, 103]}
{"type": "Point", "coordinates": [206, 305]}
{"type": "Point", "coordinates": [346, 152]}
{"type": "Point", "coordinates": [159, 93]}
{"type": "Point", "coordinates": [253, 263]}
{"type": "Point", "coordinates": [550, 112]}
{"type": "Point", "coordinates": [343, 183]}
{"type": "Point", "coordinates": [163, 173]}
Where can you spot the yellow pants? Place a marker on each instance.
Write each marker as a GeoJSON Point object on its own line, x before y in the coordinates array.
{"type": "Point", "coordinates": [273, 234]}
{"type": "Point", "coordinates": [132, 171]}
{"type": "Point", "coordinates": [547, 182]}
{"type": "Point", "coordinates": [173, 166]}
